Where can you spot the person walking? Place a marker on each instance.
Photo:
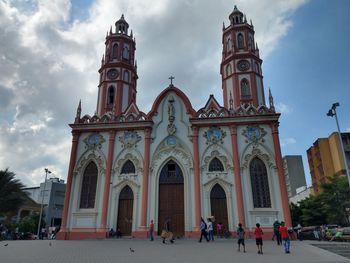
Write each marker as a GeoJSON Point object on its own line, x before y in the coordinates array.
{"type": "Point", "coordinates": [151, 230]}
{"type": "Point", "coordinates": [258, 238]}
{"type": "Point", "coordinates": [276, 232]}
{"type": "Point", "coordinates": [219, 227]}
{"type": "Point", "coordinates": [203, 228]}
{"type": "Point", "coordinates": [240, 234]}
{"type": "Point", "coordinates": [210, 229]}
{"type": "Point", "coordinates": [285, 237]}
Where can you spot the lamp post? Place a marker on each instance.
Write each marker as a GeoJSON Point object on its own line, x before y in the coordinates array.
{"type": "Point", "coordinates": [333, 113]}
{"type": "Point", "coordinates": [47, 171]}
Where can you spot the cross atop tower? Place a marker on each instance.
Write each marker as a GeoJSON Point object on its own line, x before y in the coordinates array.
{"type": "Point", "coordinates": [171, 80]}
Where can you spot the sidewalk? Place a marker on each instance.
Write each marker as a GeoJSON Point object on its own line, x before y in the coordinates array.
{"type": "Point", "coordinates": [184, 250]}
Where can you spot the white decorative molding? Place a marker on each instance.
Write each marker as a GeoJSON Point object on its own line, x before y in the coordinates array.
{"type": "Point", "coordinates": [215, 153]}
{"type": "Point", "coordinates": [96, 156]}
{"type": "Point", "coordinates": [256, 152]}
{"type": "Point", "coordinates": [130, 139]}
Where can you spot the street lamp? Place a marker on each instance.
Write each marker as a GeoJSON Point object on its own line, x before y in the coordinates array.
{"type": "Point", "coordinates": [47, 171]}
{"type": "Point", "coordinates": [332, 112]}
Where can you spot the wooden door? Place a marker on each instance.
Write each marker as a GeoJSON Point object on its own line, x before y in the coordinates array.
{"type": "Point", "coordinates": [171, 199]}
{"type": "Point", "coordinates": [219, 206]}
{"type": "Point", "coordinates": [125, 209]}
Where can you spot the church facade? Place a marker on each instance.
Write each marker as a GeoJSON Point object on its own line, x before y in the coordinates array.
{"type": "Point", "coordinates": [176, 163]}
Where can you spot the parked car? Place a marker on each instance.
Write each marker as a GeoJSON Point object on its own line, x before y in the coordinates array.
{"type": "Point", "coordinates": [26, 236]}
{"type": "Point", "coordinates": [308, 233]}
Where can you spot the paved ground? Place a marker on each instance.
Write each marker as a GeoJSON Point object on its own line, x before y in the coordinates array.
{"type": "Point", "coordinates": [184, 250]}
{"type": "Point", "coordinates": [342, 249]}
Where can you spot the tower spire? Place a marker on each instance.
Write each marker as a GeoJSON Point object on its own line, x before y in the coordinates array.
{"type": "Point", "coordinates": [78, 115]}
{"type": "Point", "coordinates": [272, 106]}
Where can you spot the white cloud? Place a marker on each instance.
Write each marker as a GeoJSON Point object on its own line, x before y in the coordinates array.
{"type": "Point", "coordinates": [283, 108]}
{"type": "Point", "coordinates": [48, 62]}
{"type": "Point", "coordinates": [288, 141]}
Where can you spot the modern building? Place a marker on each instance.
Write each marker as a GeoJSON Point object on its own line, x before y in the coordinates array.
{"type": "Point", "coordinates": [176, 164]}
{"type": "Point", "coordinates": [52, 199]}
{"type": "Point", "coordinates": [294, 173]}
{"type": "Point", "coordinates": [301, 194]}
{"type": "Point", "coordinates": [325, 158]}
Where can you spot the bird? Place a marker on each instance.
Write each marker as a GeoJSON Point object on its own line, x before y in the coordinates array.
{"type": "Point", "coordinates": [50, 244]}
{"type": "Point", "coordinates": [6, 245]}
{"type": "Point", "coordinates": [131, 250]}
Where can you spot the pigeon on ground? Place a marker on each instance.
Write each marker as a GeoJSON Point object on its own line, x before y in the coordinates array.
{"type": "Point", "coordinates": [50, 244]}
{"type": "Point", "coordinates": [6, 245]}
{"type": "Point", "coordinates": [131, 250]}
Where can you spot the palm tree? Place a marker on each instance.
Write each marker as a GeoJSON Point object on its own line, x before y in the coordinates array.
{"type": "Point", "coordinates": [11, 192]}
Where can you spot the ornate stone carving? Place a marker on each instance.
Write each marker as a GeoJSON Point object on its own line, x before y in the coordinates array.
{"type": "Point", "coordinates": [171, 116]}
{"type": "Point", "coordinates": [257, 152]}
{"type": "Point", "coordinates": [254, 134]}
{"type": "Point", "coordinates": [129, 139]}
{"type": "Point", "coordinates": [214, 135]}
{"type": "Point", "coordinates": [92, 157]}
{"type": "Point", "coordinates": [94, 141]}
{"type": "Point", "coordinates": [171, 146]}
{"type": "Point", "coordinates": [222, 158]}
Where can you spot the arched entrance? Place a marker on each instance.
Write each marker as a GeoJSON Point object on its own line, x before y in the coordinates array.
{"type": "Point", "coordinates": [125, 209]}
{"type": "Point", "coordinates": [219, 205]}
{"type": "Point", "coordinates": [171, 199]}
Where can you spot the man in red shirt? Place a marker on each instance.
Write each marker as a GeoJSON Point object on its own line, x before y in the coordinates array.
{"type": "Point", "coordinates": [285, 237]}
{"type": "Point", "coordinates": [258, 238]}
{"type": "Point", "coordinates": [151, 230]}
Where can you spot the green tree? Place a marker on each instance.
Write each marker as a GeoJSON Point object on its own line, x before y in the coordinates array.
{"type": "Point", "coordinates": [313, 212]}
{"type": "Point", "coordinates": [11, 192]}
{"type": "Point", "coordinates": [336, 199]}
{"type": "Point", "coordinates": [296, 214]}
{"type": "Point", "coordinates": [29, 223]}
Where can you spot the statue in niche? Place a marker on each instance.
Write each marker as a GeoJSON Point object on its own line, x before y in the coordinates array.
{"type": "Point", "coordinates": [171, 116]}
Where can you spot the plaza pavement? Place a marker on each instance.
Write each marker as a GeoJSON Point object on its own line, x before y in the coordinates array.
{"type": "Point", "coordinates": [182, 251]}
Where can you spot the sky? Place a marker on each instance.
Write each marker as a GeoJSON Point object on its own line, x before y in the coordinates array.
{"type": "Point", "coordinates": [50, 52]}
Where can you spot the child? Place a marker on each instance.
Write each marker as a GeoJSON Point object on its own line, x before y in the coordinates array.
{"type": "Point", "coordinates": [258, 238]}
{"type": "Point", "coordinates": [151, 230]}
{"type": "Point", "coordinates": [285, 237]}
{"type": "Point", "coordinates": [240, 234]}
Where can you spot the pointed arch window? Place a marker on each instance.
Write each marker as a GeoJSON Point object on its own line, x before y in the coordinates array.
{"type": "Point", "coordinates": [126, 52]}
{"type": "Point", "coordinates": [245, 89]}
{"type": "Point", "coordinates": [260, 184]}
{"type": "Point", "coordinates": [111, 93]}
{"type": "Point", "coordinates": [115, 51]}
{"type": "Point", "coordinates": [128, 168]}
{"type": "Point", "coordinates": [228, 70]}
{"type": "Point", "coordinates": [229, 44]}
{"type": "Point", "coordinates": [126, 75]}
{"type": "Point", "coordinates": [88, 189]}
{"type": "Point", "coordinates": [215, 165]}
{"type": "Point", "coordinates": [240, 41]}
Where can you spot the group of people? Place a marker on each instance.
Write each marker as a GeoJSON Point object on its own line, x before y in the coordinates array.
{"type": "Point", "coordinates": [280, 232]}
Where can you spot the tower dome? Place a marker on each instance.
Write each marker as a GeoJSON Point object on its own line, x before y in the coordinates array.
{"type": "Point", "coordinates": [122, 26]}
{"type": "Point", "coordinates": [236, 17]}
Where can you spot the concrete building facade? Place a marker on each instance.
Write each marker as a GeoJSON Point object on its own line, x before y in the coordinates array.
{"type": "Point", "coordinates": [325, 158]}
{"type": "Point", "coordinates": [294, 172]}
{"type": "Point", "coordinates": [52, 198]}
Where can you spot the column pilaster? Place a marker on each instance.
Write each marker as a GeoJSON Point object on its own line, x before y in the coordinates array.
{"type": "Point", "coordinates": [197, 195]}
{"type": "Point", "coordinates": [73, 157]}
{"type": "Point", "coordinates": [142, 231]}
{"type": "Point", "coordinates": [237, 175]}
{"type": "Point", "coordinates": [281, 177]}
{"type": "Point", "coordinates": [107, 181]}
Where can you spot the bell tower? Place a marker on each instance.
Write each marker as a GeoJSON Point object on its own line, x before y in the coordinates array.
{"type": "Point", "coordinates": [242, 80]}
{"type": "Point", "coordinates": [118, 72]}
